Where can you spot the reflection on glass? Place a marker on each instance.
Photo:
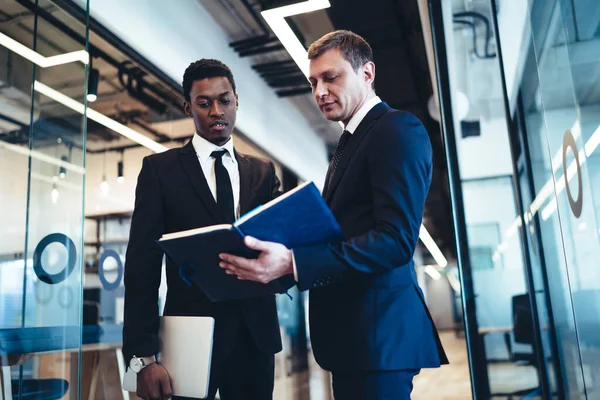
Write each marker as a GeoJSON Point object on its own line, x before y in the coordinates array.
{"type": "Point", "coordinates": [560, 113]}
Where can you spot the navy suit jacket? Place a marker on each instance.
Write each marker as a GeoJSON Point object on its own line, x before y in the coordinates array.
{"type": "Point", "coordinates": [172, 195]}
{"type": "Point", "coordinates": [367, 311]}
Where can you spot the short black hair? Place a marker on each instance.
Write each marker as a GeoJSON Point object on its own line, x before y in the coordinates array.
{"type": "Point", "coordinates": [204, 69]}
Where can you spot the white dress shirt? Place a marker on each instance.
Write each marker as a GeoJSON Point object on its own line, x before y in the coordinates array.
{"type": "Point", "coordinates": [361, 113]}
{"type": "Point", "coordinates": [203, 149]}
{"type": "Point", "coordinates": [351, 127]}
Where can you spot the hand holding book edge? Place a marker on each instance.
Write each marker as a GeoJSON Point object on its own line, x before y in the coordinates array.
{"type": "Point", "coordinates": [273, 262]}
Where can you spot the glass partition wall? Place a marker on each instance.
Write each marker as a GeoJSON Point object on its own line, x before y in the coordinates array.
{"type": "Point", "coordinates": [522, 84]}
{"type": "Point", "coordinates": [43, 75]}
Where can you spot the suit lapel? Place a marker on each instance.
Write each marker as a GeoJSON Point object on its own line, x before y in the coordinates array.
{"type": "Point", "coordinates": [192, 167]}
{"type": "Point", "coordinates": [358, 135]}
{"type": "Point", "coordinates": [245, 182]}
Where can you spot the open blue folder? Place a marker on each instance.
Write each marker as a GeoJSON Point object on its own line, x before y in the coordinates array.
{"type": "Point", "coordinates": [297, 218]}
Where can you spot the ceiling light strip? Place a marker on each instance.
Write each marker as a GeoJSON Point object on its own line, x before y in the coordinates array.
{"type": "Point", "coordinates": [289, 40]}
{"type": "Point", "coordinates": [40, 60]}
{"type": "Point", "coordinates": [433, 272]}
{"type": "Point", "coordinates": [99, 118]}
{"type": "Point", "coordinates": [430, 244]}
{"type": "Point", "coordinates": [42, 157]}
{"type": "Point", "coordinates": [79, 55]}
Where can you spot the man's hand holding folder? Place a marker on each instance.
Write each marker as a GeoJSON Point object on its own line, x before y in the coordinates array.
{"type": "Point", "coordinates": [275, 261]}
{"type": "Point", "coordinates": [260, 240]}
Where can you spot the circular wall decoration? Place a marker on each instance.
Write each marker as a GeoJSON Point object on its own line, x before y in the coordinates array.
{"type": "Point", "coordinates": [576, 204]}
{"type": "Point", "coordinates": [109, 253]}
{"type": "Point", "coordinates": [38, 268]}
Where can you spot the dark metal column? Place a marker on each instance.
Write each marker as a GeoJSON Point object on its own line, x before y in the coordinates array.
{"type": "Point", "coordinates": [476, 351]}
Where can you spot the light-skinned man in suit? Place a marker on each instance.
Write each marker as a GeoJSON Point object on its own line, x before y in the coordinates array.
{"type": "Point", "coordinates": [369, 322]}
{"type": "Point", "coordinates": [206, 182]}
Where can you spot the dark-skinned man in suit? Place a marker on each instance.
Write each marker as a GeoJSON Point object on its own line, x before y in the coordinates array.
{"type": "Point", "coordinates": [204, 183]}
{"type": "Point", "coordinates": [369, 322]}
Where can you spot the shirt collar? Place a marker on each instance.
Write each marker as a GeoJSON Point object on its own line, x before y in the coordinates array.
{"type": "Point", "coordinates": [204, 148]}
{"type": "Point", "coordinates": [361, 113]}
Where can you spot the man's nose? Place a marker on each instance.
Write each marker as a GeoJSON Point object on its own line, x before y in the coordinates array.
{"type": "Point", "coordinates": [215, 109]}
{"type": "Point", "coordinates": [321, 90]}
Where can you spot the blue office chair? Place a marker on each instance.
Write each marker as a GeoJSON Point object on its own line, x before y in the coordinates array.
{"type": "Point", "coordinates": [40, 389]}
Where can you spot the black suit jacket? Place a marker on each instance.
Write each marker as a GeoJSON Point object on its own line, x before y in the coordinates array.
{"type": "Point", "coordinates": [172, 195]}
{"type": "Point", "coordinates": [367, 311]}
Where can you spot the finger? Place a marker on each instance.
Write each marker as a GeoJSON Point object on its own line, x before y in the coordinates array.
{"type": "Point", "coordinates": [248, 276]}
{"type": "Point", "coordinates": [237, 272]}
{"type": "Point", "coordinates": [229, 268]}
{"type": "Point", "coordinates": [237, 262]}
{"type": "Point", "coordinates": [256, 244]}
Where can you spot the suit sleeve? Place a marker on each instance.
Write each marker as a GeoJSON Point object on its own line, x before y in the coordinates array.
{"type": "Point", "coordinates": [399, 170]}
{"type": "Point", "coordinates": [143, 264]}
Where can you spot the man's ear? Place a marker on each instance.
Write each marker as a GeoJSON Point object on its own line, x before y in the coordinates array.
{"type": "Point", "coordinates": [368, 70]}
{"type": "Point", "coordinates": [187, 108]}
{"type": "Point", "coordinates": [237, 102]}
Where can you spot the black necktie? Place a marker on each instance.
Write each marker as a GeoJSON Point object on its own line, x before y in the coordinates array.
{"type": "Point", "coordinates": [224, 190]}
{"type": "Point", "coordinates": [338, 154]}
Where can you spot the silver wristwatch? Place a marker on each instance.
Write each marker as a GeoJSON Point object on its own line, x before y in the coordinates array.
{"type": "Point", "coordinates": [139, 363]}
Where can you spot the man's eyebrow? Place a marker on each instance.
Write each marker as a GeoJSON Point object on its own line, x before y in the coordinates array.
{"type": "Point", "coordinates": [204, 96]}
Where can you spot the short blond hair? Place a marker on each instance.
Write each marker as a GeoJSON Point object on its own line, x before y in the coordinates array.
{"type": "Point", "coordinates": [353, 47]}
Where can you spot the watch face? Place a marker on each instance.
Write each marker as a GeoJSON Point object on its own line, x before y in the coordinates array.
{"type": "Point", "coordinates": [135, 365]}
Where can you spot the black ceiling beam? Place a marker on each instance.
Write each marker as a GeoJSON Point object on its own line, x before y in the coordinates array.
{"type": "Point", "coordinates": [293, 92]}
{"type": "Point", "coordinates": [257, 41]}
{"type": "Point", "coordinates": [273, 65]}
{"type": "Point", "coordinates": [261, 50]}
{"type": "Point", "coordinates": [288, 71]}
{"type": "Point", "coordinates": [294, 80]}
